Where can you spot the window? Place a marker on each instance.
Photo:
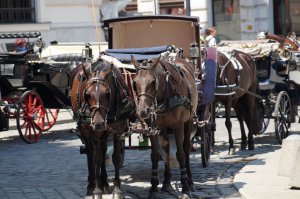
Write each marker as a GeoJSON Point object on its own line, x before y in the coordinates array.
{"type": "Point", "coordinates": [226, 17]}
{"type": "Point", "coordinates": [286, 16]}
{"type": "Point", "coordinates": [17, 11]}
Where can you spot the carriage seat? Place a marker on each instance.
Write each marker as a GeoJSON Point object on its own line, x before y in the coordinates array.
{"type": "Point", "coordinates": [140, 54]}
{"type": "Point", "coordinates": [70, 57]}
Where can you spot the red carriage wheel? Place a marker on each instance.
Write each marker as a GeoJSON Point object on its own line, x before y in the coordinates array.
{"type": "Point", "coordinates": [50, 118]}
{"type": "Point", "coordinates": [30, 116]}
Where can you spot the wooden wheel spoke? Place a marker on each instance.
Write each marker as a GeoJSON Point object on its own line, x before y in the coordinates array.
{"type": "Point", "coordinates": [30, 116]}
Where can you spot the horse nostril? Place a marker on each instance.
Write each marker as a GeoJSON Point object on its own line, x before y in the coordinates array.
{"type": "Point", "coordinates": [144, 114]}
{"type": "Point", "coordinates": [97, 126]}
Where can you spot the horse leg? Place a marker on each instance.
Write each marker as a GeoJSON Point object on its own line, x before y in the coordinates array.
{"type": "Point", "coordinates": [250, 141]}
{"type": "Point", "coordinates": [104, 181]}
{"type": "Point", "coordinates": [181, 157]}
{"type": "Point", "coordinates": [117, 192]}
{"type": "Point", "coordinates": [187, 148]}
{"type": "Point", "coordinates": [97, 160]}
{"type": "Point", "coordinates": [228, 125]}
{"type": "Point", "coordinates": [249, 120]}
{"type": "Point", "coordinates": [154, 159]}
{"type": "Point", "coordinates": [91, 177]}
{"type": "Point", "coordinates": [239, 113]}
{"type": "Point", "coordinates": [166, 146]}
{"type": "Point", "coordinates": [89, 150]}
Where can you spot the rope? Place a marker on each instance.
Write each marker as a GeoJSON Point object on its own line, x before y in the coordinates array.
{"type": "Point", "coordinates": [96, 25]}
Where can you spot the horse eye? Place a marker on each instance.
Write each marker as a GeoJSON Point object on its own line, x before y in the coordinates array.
{"type": "Point", "coordinates": [86, 96]}
{"type": "Point", "coordinates": [154, 83]}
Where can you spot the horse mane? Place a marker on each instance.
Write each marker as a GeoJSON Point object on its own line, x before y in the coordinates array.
{"type": "Point", "coordinates": [281, 39]}
{"type": "Point", "coordinates": [173, 69]}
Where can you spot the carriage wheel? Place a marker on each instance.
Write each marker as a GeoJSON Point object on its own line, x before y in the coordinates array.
{"type": "Point", "coordinates": [50, 118]}
{"type": "Point", "coordinates": [268, 113]}
{"type": "Point", "coordinates": [283, 111]}
{"type": "Point", "coordinates": [206, 135]}
{"type": "Point", "coordinates": [30, 117]}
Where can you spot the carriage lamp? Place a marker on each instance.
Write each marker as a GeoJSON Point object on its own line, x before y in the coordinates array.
{"type": "Point", "coordinates": [194, 50]}
{"type": "Point", "coordinates": [87, 52]}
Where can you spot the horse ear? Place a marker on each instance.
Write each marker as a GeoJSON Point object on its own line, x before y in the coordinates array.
{"type": "Point", "coordinates": [110, 68]}
{"type": "Point", "coordinates": [86, 72]}
{"type": "Point", "coordinates": [267, 32]}
{"type": "Point", "coordinates": [134, 61]}
{"type": "Point", "coordinates": [155, 61]}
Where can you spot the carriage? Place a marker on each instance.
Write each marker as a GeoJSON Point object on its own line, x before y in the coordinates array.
{"type": "Point", "coordinates": [278, 76]}
{"type": "Point", "coordinates": [26, 81]}
{"type": "Point", "coordinates": [33, 88]}
{"type": "Point", "coordinates": [147, 37]}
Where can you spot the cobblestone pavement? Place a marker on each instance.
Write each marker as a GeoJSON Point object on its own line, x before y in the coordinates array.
{"type": "Point", "coordinates": [54, 169]}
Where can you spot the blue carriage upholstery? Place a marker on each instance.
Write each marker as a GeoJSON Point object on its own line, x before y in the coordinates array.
{"type": "Point", "coordinates": [208, 90]}
{"type": "Point", "coordinates": [140, 54]}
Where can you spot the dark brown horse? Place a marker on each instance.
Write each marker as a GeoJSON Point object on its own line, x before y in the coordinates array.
{"type": "Point", "coordinates": [167, 98]}
{"type": "Point", "coordinates": [283, 41]}
{"type": "Point", "coordinates": [101, 107]}
{"type": "Point", "coordinates": [237, 87]}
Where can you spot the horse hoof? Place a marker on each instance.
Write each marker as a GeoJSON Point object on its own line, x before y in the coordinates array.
{"type": "Point", "coordinates": [97, 196]}
{"type": "Point", "coordinates": [192, 187]}
{"type": "Point", "coordinates": [186, 196]}
{"type": "Point", "coordinates": [212, 150]}
{"type": "Point", "coordinates": [153, 195]}
{"type": "Point", "coordinates": [117, 196]}
{"type": "Point", "coordinates": [243, 147]}
{"type": "Point", "coordinates": [166, 187]}
{"type": "Point", "coordinates": [251, 147]}
{"type": "Point", "coordinates": [231, 151]}
{"type": "Point", "coordinates": [89, 192]}
{"type": "Point", "coordinates": [106, 190]}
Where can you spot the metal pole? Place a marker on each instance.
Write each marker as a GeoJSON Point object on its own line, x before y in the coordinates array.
{"type": "Point", "coordinates": [188, 7]}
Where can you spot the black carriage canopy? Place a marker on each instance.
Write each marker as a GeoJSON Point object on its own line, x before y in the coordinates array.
{"type": "Point", "coordinates": [140, 54]}
{"type": "Point", "coordinates": [14, 35]}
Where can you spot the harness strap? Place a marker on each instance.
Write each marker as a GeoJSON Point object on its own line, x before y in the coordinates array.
{"type": "Point", "coordinates": [251, 93]}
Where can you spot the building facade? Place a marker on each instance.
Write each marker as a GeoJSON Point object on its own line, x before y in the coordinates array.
{"type": "Point", "coordinates": [80, 20]}
{"type": "Point", "coordinates": [60, 20]}
{"type": "Point", "coordinates": [234, 19]}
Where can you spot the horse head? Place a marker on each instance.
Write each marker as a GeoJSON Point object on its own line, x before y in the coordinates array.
{"type": "Point", "coordinates": [258, 117]}
{"type": "Point", "coordinates": [98, 97]}
{"type": "Point", "coordinates": [146, 85]}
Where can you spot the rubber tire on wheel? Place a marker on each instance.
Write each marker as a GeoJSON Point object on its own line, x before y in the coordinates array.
{"type": "Point", "coordinates": [269, 108]}
{"type": "Point", "coordinates": [30, 116]}
{"type": "Point", "coordinates": [50, 118]}
{"type": "Point", "coordinates": [283, 111]}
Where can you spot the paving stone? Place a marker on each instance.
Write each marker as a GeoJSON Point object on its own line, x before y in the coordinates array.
{"type": "Point", "coordinates": [53, 168]}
